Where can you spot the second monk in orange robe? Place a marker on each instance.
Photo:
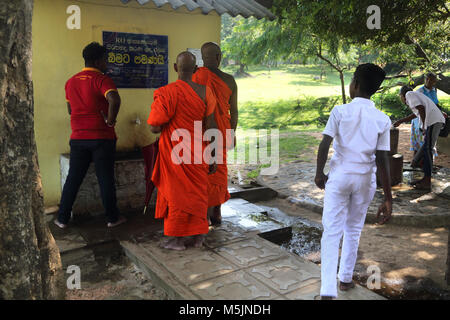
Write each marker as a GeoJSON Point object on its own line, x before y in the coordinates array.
{"type": "Point", "coordinates": [181, 177]}
{"type": "Point", "coordinates": [226, 116]}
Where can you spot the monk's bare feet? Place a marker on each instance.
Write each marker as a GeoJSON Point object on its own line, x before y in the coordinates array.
{"type": "Point", "coordinates": [216, 216]}
{"type": "Point", "coordinates": [326, 298]}
{"type": "Point", "coordinates": [422, 186]}
{"type": "Point", "coordinates": [345, 286]}
{"type": "Point", "coordinates": [174, 244]}
{"type": "Point", "coordinates": [198, 240]}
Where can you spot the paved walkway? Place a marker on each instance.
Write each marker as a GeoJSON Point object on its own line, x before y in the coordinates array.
{"type": "Point", "coordinates": [235, 263]}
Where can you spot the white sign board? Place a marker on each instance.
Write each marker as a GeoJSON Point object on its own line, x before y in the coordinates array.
{"type": "Point", "coordinates": [198, 56]}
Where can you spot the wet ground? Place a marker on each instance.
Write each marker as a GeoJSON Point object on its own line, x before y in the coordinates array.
{"type": "Point", "coordinates": [105, 272]}
{"type": "Point", "coordinates": [415, 279]}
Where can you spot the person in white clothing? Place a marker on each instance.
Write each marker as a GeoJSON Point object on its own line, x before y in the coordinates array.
{"type": "Point", "coordinates": [361, 135]}
{"type": "Point", "coordinates": [431, 120]}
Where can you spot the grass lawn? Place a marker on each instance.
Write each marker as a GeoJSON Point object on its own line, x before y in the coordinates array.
{"type": "Point", "coordinates": [287, 82]}
{"type": "Point", "coordinates": [289, 99]}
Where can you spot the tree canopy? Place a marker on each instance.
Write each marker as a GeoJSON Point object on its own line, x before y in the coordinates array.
{"type": "Point", "coordinates": [413, 35]}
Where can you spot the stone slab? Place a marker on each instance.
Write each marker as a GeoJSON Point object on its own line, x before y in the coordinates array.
{"type": "Point", "coordinates": [157, 273]}
{"type": "Point", "coordinates": [190, 266]}
{"type": "Point", "coordinates": [250, 252]}
{"type": "Point", "coordinates": [226, 233]}
{"type": "Point", "coordinates": [285, 275]}
{"type": "Point", "coordinates": [234, 286]}
{"type": "Point", "coordinates": [255, 194]}
{"type": "Point", "coordinates": [66, 239]}
{"type": "Point", "coordinates": [310, 290]}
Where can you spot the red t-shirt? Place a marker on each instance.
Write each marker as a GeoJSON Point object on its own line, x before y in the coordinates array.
{"type": "Point", "coordinates": [86, 93]}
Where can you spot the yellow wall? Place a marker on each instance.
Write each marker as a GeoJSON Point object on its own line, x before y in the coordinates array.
{"type": "Point", "coordinates": [57, 56]}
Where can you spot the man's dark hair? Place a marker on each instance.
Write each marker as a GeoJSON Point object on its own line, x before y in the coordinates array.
{"type": "Point", "coordinates": [93, 51]}
{"type": "Point", "coordinates": [405, 89]}
{"type": "Point", "coordinates": [369, 77]}
{"type": "Point", "coordinates": [431, 75]}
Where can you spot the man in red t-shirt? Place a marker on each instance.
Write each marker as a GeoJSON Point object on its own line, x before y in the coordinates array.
{"type": "Point", "coordinates": [93, 104]}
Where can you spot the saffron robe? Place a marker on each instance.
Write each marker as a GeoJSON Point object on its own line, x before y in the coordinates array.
{"type": "Point", "coordinates": [218, 182]}
{"type": "Point", "coordinates": [182, 199]}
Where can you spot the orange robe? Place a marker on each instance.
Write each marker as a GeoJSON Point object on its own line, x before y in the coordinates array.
{"type": "Point", "coordinates": [182, 199]}
{"type": "Point", "coordinates": [218, 182]}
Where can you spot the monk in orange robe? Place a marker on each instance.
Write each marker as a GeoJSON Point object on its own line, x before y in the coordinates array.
{"type": "Point", "coordinates": [224, 87]}
{"type": "Point", "coordinates": [182, 111]}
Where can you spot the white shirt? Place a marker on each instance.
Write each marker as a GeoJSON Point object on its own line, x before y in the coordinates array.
{"type": "Point", "coordinates": [359, 130]}
{"type": "Point", "coordinates": [432, 113]}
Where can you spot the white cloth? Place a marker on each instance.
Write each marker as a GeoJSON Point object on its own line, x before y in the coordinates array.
{"type": "Point", "coordinates": [358, 129]}
{"type": "Point", "coordinates": [347, 198]}
{"type": "Point", "coordinates": [432, 113]}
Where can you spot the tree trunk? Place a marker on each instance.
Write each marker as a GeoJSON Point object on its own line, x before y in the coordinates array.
{"type": "Point", "coordinates": [442, 84]}
{"type": "Point", "coordinates": [339, 69]}
{"type": "Point", "coordinates": [30, 265]}
{"type": "Point", "coordinates": [241, 68]}
{"type": "Point", "coordinates": [447, 275]}
{"type": "Point", "coordinates": [341, 76]}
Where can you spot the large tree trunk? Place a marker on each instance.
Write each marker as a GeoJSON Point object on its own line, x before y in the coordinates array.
{"type": "Point", "coordinates": [443, 83]}
{"type": "Point", "coordinates": [30, 265]}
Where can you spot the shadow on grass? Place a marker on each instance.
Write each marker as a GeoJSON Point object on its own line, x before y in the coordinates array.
{"type": "Point", "coordinates": [284, 114]}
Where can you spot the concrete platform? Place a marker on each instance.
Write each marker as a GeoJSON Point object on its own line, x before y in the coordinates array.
{"type": "Point", "coordinates": [234, 264]}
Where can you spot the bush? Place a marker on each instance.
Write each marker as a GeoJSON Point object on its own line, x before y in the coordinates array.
{"type": "Point", "coordinates": [391, 105]}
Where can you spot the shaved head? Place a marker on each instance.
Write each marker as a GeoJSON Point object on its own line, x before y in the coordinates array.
{"type": "Point", "coordinates": [210, 49]}
{"type": "Point", "coordinates": [186, 62]}
{"type": "Point", "coordinates": [211, 54]}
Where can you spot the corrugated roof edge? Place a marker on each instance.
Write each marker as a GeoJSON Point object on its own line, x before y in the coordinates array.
{"type": "Point", "coordinates": [252, 7]}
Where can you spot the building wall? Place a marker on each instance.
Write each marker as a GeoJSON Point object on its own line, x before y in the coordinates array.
{"type": "Point", "coordinates": [57, 56]}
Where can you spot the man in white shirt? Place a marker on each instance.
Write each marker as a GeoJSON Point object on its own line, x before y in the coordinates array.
{"type": "Point", "coordinates": [431, 122]}
{"type": "Point", "coordinates": [361, 136]}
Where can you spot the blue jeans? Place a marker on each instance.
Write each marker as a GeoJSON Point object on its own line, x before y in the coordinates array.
{"type": "Point", "coordinates": [82, 152]}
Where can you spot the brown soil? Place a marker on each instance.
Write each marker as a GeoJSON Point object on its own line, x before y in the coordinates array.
{"type": "Point", "coordinates": [406, 256]}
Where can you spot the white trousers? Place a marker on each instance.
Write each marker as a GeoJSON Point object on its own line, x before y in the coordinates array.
{"type": "Point", "coordinates": [347, 198]}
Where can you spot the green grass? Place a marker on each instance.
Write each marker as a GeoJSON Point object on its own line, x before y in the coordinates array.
{"type": "Point", "coordinates": [289, 99]}
{"type": "Point", "coordinates": [292, 146]}
{"type": "Point", "coordinates": [287, 82]}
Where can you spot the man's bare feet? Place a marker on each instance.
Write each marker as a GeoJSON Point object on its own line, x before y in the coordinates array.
{"type": "Point", "coordinates": [414, 164]}
{"type": "Point", "coordinates": [326, 298]}
{"type": "Point", "coordinates": [345, 286]}
{"type": "Point", "coordinates": [423, 186]}
{"type": "Point", "coordinates": [176, 243]}
{"type": "Point", "coordinates": [413, 183]}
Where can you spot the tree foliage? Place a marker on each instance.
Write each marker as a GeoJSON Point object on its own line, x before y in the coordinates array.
{"type": "Point", "coordinates": [414, 35]}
